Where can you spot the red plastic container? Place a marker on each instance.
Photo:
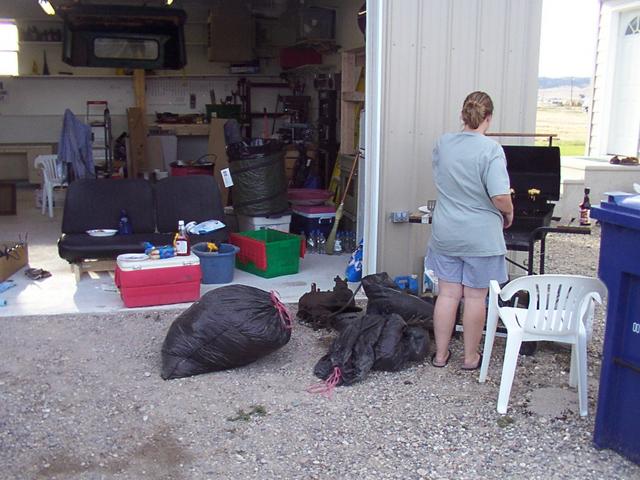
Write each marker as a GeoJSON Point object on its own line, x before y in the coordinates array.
{"type": "Point", "coordinates": [159, 282]}
{"type": "Point", "coordinates": [308, 196]}
{"type": "Point", "coordinates": [183, 170]}
{"type": "Point", "coordinates": [292, 57]}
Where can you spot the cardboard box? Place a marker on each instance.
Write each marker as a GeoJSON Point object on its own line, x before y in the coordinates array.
{"type": "Point", "coordinates": [230, 32]}
{"type": "Point", "coordinates": [13, 256]}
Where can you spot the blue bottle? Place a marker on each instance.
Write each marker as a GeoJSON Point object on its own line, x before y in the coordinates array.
{"type": "Point", "coordinates": [124, 227]}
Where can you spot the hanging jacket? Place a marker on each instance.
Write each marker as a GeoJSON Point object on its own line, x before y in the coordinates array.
{"type": "Point", "coordinates": [75, 146]}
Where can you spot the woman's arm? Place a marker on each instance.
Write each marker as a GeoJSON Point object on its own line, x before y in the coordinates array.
{"type": "Point", "coordinates": [504, 204]}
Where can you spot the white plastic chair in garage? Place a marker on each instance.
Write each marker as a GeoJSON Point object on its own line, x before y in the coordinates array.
{"type": "Point", "coordinates": [51, 178]}
{"type": "Point", "coordinates": [559, 308]}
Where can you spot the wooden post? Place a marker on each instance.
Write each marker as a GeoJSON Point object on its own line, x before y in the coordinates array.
{"type": "Point", "coordinates": [139, 90]}
{"type": "Point", "coordinates": [137, 127]}
{"type": "Point", "coordinates": [136, 155]}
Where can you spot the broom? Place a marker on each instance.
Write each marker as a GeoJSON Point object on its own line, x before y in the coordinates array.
{"type": "Point", "coordinates": [331, 239]}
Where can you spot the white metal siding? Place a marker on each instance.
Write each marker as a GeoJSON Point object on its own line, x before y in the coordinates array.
{"type": "Point", "coordinates": [434, 54]}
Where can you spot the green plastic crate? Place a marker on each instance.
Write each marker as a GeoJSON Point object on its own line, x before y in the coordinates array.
{"type": "Point", "coordinates": [268, 253]}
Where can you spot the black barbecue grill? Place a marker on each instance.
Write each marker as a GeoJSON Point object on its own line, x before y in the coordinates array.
{"type": "Point", "coordinates": [534, 174]}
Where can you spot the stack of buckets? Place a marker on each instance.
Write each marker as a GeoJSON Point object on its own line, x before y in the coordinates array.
{"type": "Point", "coordinates": [217, 267]}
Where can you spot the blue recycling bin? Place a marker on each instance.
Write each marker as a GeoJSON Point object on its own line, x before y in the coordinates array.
{"type": "Point", "coordinates": [617, 425]}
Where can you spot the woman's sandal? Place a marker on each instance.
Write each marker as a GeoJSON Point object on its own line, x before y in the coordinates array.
{"type": "Point", "coordinates": [438, 365]}
{"type": "Point", "coordinates": [473, 368]}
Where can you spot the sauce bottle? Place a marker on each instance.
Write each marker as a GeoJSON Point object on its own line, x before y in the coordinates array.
{"type": "Point", "coordinates": [181, 242]}
{"type": "Point", "coordinates": [585, 208]}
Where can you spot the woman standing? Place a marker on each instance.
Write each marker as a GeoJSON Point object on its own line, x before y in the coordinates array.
{"type": "Point", "coordinates": [467, 247]}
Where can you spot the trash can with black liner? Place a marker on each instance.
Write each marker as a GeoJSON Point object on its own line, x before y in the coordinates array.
{"type": "Point", "coordinates": [259, 178]}
{"type": "Point", "coordinates": [618, 414]}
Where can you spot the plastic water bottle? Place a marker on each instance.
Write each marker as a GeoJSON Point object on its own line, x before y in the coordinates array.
{"type": "Point", "coordinates": [311, 242]}
{"type": "Point", "coordinates": [321, 242]}
{"type": "Point", "coordinates": [337, 247]}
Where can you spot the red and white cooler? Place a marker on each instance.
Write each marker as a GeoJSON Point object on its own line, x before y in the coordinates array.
{"type": "Point", "coordinates": [307, 218]}
{"type": "Point", "coordinates": [147, 282]}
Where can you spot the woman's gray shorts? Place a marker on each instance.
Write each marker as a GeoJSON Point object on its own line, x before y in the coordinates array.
{"type": "Point", "coordinates": [474, 272]}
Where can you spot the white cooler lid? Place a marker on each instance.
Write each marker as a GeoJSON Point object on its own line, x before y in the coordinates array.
{"type": "Point", "coordinates": [315, 214]}
{"type": "Point", "coordinates": [177, 261]}
{"type": "Point", "coordinates": [270, 220]}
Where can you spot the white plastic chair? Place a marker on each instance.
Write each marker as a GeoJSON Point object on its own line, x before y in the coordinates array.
{"type": "Point", "coordinates": [559, 308]}
{"type": "Point", "coordinates": [51, 178]}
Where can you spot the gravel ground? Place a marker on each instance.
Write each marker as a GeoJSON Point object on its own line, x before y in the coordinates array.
{"type": "Point", "coordinates": [81, 398]}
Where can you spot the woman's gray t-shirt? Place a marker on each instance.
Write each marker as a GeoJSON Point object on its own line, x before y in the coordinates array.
{"type": "Point", "coordinates": [469, 169]}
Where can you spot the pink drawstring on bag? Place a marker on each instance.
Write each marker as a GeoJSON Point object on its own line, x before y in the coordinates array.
{"type": "Point", "coordinates": [282, 309]}
{"type": "Point", "coordinates": [327, 387]}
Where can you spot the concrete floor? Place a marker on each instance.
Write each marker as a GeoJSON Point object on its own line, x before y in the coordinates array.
{"type": "Point", "coordinates": [97, 292]}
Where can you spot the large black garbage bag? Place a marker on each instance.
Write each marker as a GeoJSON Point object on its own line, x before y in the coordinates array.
{"type": "Point", "coordinates": [228, 327]}
{"type": "Point", "coordinates": [384, 297]}
{"type": "Point", "coordinates": [370, 341]}
{"type": "Point", "coordinates": [416, 342]}
{"type": "Point", "coordinates": [390, 352]}
{"type": "Point", "coordinates": [317, 308]}
{"type": "Point", "coordinates": [352, 352]}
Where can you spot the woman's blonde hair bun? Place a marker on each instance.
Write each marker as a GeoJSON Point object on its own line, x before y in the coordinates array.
{"type": "Point", "coordinates": [476, 107]}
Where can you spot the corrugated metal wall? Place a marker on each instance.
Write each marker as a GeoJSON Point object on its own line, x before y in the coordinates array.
{"type": "Point", "coordinates": [433, 54]}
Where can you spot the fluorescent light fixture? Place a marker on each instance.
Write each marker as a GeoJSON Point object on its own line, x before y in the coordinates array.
{"type": "Point", "coordinates": [169, 2]}
{"type": "Point", "coordinates": [47, 7]}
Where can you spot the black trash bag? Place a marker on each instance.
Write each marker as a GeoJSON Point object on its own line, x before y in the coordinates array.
{"type": "Point", "coordinates": [416, 341]}
{"type": "Point", "coordinates": [343, 320]}
{"type": "Point", "coordinates": [352, 352]}
{"type": "Point", "coordinates": [228, 327]}
{"type": "Point", "coordinates": [391, 354]}
{"type": "Point", "coordinates": [385, 297]}
{"type": "Point", "coordinates": [317, 308]}
{"type": "Point", "coordinates": [370, 341]}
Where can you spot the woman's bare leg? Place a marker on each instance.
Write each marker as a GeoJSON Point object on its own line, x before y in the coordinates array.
{"type": "Point", "coordinates": [444, 318]}
{"type": "Point", "coordinates": [473, 317]}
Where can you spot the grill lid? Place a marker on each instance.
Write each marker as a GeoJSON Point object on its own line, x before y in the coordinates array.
{"type": "Point", "coordinates": [534, 167]}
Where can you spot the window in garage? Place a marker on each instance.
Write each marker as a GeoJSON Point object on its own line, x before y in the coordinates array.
{"type": "Point", "coordinates": [8, 47]}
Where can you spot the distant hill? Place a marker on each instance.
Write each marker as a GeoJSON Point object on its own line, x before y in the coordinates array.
{"type": "Point", "coordinates": [547, 82]}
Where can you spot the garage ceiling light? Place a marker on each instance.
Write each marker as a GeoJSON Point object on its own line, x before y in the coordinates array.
{"type": "Point", "coordinates": [47, 7]}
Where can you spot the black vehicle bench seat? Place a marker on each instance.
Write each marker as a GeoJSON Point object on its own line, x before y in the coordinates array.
{"type": "Point", "coordinates": [75, 247]}
{"type": "Point", "coordinates": [97, 203]}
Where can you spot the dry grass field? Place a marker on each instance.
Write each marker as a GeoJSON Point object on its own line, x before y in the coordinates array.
{"type": "Point", "coordinates": [571, 124]}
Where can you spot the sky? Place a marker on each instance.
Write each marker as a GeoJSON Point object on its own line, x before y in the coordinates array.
{"type": "Point", "coordinates": [568, 38]}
